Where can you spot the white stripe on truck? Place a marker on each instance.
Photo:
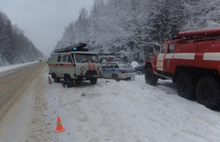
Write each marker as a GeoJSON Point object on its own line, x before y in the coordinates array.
{"type": "Point", "coordinates": [186, 56]}
{"type": "Point", "coordinates": [212, 56]}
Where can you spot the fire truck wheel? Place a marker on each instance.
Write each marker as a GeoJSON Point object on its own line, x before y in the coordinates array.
{"type": "Point", "coordinates": [186, 86]}
{"type": "Point", "coordinates": [208, 92]}
{"type": "Point", "coordinates": [93, 81]}
{"type": "Point", "coordinates": [150, 78]}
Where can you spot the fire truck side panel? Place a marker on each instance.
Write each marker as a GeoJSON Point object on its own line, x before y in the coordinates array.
{"type": "Point", "coordinates": [211, 55]}
{"type": "Point", "coordinates": [184, 55]}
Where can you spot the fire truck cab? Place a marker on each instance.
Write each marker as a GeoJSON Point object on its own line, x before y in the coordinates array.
{"type": "Point", "coordinates": [74, 64]}
{"type": "Point", "coordinates": [192, 61]}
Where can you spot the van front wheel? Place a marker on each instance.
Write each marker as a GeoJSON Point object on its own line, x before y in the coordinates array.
{"type": "Point", "coordinates": [67, 81]}
{"type": "Point", "coordinates": [55, 78]}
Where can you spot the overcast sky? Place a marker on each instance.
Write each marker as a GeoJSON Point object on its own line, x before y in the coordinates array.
{"type": "Point", "coordinates": [43, 20]}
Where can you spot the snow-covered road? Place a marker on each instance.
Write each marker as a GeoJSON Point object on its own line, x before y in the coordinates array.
{"type": "Point", "coordinates": [110, 111]}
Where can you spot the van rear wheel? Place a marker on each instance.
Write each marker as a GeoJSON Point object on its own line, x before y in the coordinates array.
{"type": "Point", "coordinates": [55, 78]}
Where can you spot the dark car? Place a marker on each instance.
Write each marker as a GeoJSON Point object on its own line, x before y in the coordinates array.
{"type": "Point", "coordinates": [140, 70]}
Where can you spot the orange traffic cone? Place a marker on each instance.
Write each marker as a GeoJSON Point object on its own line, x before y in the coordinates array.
{"type": "Point", "coordinates": [59, 126]}
{"type": "Point", "coordinates": [49, 80]}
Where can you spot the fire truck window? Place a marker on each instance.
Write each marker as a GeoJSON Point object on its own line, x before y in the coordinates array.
{"type": "Point", "coordinates": [162, 48]}
{"type": "Point", "coordinates": [171, 48]}
{"type": "Point", "coordinates": [58, 58]}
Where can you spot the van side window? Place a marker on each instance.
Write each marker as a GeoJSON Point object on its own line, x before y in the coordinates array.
{"type": "Point", "coordinates": [58, 58]}
{"type": "Point", "coordinates": [171, 48]}
{"type": "Point", "coordinates": [69, 59]}
{"type": "Point", "coordinates": [64, 58]}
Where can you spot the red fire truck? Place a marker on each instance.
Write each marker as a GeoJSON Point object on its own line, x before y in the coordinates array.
{"type": "Point", "coordinates": [192, 61]}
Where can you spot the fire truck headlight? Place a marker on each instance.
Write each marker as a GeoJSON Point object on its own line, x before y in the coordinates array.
{"type": "Point", "coordinates": [82, 68]}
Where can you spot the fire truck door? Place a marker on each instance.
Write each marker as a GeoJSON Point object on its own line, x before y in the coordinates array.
{"type": "Point", "coordinates": [160, 58]}
{"type": "Point", "coordinates": [168, 58]}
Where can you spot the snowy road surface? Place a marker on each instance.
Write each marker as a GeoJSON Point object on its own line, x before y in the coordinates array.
{"type": "Point", "coordinates": [110, 111]}
{"type": "Point", "coordinates": [14, 82]}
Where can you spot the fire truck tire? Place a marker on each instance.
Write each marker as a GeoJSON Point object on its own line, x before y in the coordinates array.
{"type": "Point", "coordinates": [93, 81]}
{"type": "Point", "coordinates": [186, 86]}
{"type": "Point", "coordinates": [208, 92]}
{"type": "Point", "coordinates": [150, 78]}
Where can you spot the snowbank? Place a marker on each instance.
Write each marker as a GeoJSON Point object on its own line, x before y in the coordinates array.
{"type": "Point", "coordinates": [134, 64]}
{"type": "Point", "coordinates": [10, 67]}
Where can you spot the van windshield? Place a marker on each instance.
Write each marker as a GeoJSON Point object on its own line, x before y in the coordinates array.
{"type": "Point", "coordinates": [86, 58]}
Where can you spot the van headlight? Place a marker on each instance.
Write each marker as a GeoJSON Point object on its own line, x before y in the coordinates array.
{"type": "Point", "coordinates": [82, 69]}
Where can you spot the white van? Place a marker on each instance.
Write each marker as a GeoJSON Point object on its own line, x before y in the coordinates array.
{"type": "Point", "coordinates": [74, 64]}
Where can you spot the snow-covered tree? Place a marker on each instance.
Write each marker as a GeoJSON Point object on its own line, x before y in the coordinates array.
{"type": "Point", "coordinates": [134, 29]}
{"type": "Point", "coordinates": [15, 47]}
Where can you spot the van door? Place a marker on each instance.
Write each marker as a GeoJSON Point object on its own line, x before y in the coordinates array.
{"type": "Point", "coordinates": [58, 73]}
{"type": "Point", "coordinates": [62, 69]}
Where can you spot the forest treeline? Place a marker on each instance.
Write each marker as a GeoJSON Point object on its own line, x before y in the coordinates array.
{"type": "Point", "coordinates": [15, 47]}
{"type": "Point", "coordinates": [134, 29]}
